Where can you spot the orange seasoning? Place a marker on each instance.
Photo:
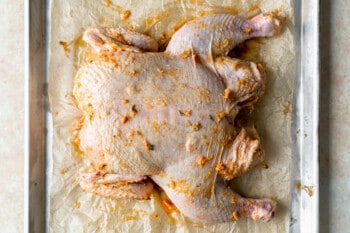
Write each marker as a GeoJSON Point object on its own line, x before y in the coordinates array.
{"type": "Point", "coordinates": [65, 46]}
{"type": "Point", "coordinates": [235, 215]}
{"type": "Point", "coordinates": [125, 15]}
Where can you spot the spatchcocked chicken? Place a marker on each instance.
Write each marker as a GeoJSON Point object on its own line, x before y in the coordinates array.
{"type": "Point", "coordinates": [169, 117]}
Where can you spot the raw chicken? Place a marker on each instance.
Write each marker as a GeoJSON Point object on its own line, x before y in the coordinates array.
{"type": "Point", "coordinates": [169, 117]}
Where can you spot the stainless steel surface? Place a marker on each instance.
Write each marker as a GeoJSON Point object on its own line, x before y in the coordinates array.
{"type": "Point", "coordinates": [304, 209]}
{"type": "Point", "coordinates": [305, 163]}
{"type": "Point", "coordinates": [35, 124]}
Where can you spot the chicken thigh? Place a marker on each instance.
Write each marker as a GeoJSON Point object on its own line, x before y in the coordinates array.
{"type": "Point", "coordinates": [169, 117]}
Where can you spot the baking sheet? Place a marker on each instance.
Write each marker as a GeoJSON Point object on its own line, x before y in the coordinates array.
{"type": "Point", "coordinates": [72, 210]}
{"type": "Point", "coordinates": [305, 124]}
{"type": "Point", "coordinates": [65, 68]}
{"type": "Point", "coordinates": [35, 124]}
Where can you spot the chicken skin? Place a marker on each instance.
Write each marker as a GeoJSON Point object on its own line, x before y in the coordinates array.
{"type": "Point", "coordinates": [168, 118]}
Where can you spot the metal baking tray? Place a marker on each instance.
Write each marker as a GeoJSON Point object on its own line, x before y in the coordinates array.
{"type": "Point", "coordinates": [305, 119]}
{"type": "Point", "coordinates": [36, 120]}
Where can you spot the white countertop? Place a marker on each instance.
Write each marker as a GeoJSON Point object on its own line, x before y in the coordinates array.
{"type": "Point", "coordinates": [11, 115]}
{"type": "Point", "coordinates": [335, 120]}
{"type": "Point", "coordinates": [334, 129]}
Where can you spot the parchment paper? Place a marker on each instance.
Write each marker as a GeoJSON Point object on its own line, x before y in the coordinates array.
{"type": "Point", "coordinates": [72, 210]}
